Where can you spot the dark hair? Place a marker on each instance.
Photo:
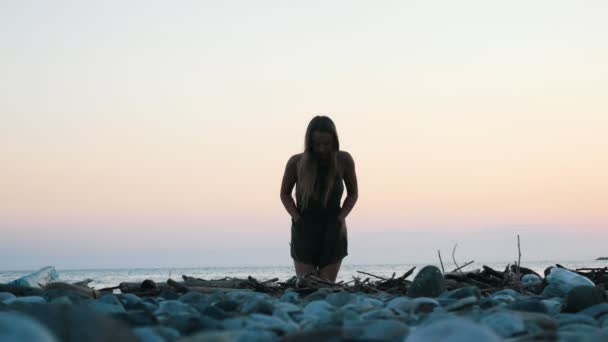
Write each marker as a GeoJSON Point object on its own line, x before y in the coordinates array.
{"type": "Point", "coordinates": [308, 168]}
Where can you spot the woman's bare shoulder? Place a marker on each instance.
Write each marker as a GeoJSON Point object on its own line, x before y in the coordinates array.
{"type": "Point", "coordinates": [345, 160]}
{"type": "Point", "coordinates": [294, 159]}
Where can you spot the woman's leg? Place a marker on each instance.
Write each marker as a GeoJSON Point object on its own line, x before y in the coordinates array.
{"type": "Point", "coordinates": [303, 269]}
{"type": "Point", "coordinates": [330, 272]}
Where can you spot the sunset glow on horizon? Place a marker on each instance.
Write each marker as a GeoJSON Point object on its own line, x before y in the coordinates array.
{"type": "Point", "coordinates": [468, 117]}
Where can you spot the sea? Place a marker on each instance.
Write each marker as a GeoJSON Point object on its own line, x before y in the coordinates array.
{"type": "Point", "coordinates": [113, 276]}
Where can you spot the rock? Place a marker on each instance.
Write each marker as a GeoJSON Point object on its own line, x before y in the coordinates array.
{"type": "Point", "coordinates": [169, 295]}
{"type": "Point", "coordinates": [212, 312]}
{"type": "Point", "coordinates": [257, 306]}
{"type": "Point", "coordinates": [147, 334]}
{"type": "Point", "coordinates": [150, 334]}
{"type": "Point", "coordinates": [529, 305]}
{"type": "Point", "coordinates": [77, 323]}
{"type": "Point", "coordinates": [74, 296]}
{"type": "Point", "coordinates": [339, 299]}
{"type": "Point", "coordinates": [402, 303]}
{"type": "Point", "coordinates": [428, 282]}
{"type": "Point", "coordinates": [229, 305]}
{"type": "Point", "coordinates": [379, 329]}
{"type": "Point", "coordinates": [553, 306]}
{"type": "Point", "coordinates": [318, 308]}
{"type": "Point", "coordinates": [384, 313]}
{"type": "Point", "coordinates": [136, 318]}
{"type": "Point", "coordinates": [560, 281]}
{"type": "Point", "coordinates": [6, 295]}
{"type": "Point", "coordinates": [453, 330]}
{"type": "Point", "coordinates": [323, 334]}
{"type": "Point", "coordinates": [290, 296]}
{"type": "Point", "coordinates": [530, 278]}
{"type": "Point", "coordinates": [26, 299]}
{"type": "Point", "coordinates": [424, 305]}
{"type": "Point", "coordinates": [148, 284]}
{"type": "Point", "coordinates": [566, 319]}
{"type": "Point", "coordinates": [582, 297]}
{"type": "Point", "coordinates": [505, 324]}
{"type": "Point", "coordinates": [15, 326]}
{"type": "Point", "coordinates": [193, 297]}
{"type": "Point", "coordinates": [462, 292]}
{"type": "Point", "coordinates": [260, 322]}
{"type": "Point", "coordinates": [539, 325]}
{"type": "Point", "coordinates": [596, 311]}
{"type": "Point", "coordinates": [37, 279]}
{"type": "Point", "coordinates": [243, 335]}
{"type": "Point", "coordinates": [106, 305]}
{"type": "Point", "coordinates": [462, 303]}
{"type": "Point", "coordinates": [63, 300]}
{"type": "Point", "coordinates": [362, 304]}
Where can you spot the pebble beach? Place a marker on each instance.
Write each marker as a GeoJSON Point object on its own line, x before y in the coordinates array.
{"type": "Point", "coordinates": [559, 305]}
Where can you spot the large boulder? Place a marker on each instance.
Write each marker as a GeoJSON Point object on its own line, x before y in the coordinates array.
{"type": "Point", "coordinates": [560, 281]}
{"type": "Point", "coordinates": [428, 282]}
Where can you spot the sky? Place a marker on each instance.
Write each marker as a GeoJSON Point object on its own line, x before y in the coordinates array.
{"type": "Point", "coordinates": [155, 133]}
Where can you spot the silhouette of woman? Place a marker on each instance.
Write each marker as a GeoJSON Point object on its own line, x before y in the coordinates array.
{"type": "Point", "coordinates": [318, 227]}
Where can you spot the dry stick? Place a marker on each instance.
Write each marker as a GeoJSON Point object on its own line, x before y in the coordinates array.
{"type": "Point", "coordinates": [441, 261]}
{"type": "Point", "coordinates": [454, 258]}
{"type": "Point", "coordinates": [519, 257]}
{"type": "Point", "coordinates": [369, 274]}
{"type": "Point", "coordinates": [463, 266]}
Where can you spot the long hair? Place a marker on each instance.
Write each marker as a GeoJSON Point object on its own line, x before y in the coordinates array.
{"type": "Point", "coordinates": [308, 174]}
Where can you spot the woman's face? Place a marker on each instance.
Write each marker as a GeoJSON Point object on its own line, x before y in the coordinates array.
{"type": "Point", "coordinates": [322, 144]}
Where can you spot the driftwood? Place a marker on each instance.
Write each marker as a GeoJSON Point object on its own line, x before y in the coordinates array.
{"type": "Point", "coordinates": [80, 290]}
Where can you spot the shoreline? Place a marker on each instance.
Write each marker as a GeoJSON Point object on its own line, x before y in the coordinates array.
{"type": "Point", "coordinates": [487, 304]}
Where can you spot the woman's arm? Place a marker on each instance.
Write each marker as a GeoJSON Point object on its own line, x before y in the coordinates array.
{"type": "Point", "coordinates": [352, 190]}
{"type": "Point", "coordinates": [289, 179]}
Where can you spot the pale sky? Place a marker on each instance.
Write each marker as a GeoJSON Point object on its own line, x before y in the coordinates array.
{"type": "Point", "coordinates": [155, 133]}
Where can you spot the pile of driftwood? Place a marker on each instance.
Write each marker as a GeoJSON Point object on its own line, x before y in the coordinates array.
{"type": "Point", "coordinates": [487, 279]}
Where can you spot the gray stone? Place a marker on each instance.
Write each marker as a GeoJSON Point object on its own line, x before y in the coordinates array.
{"type": "Point", "coordinates": [530, 278]}
{"type": "Point", "coordinates": [37, 279]}
{"type": "Point", "coordinates": [560, 281]}
{"type": "Point", "coordinates": [63, 300]}
{"type": "Point", "coordinates": [428, 282]}
{"type": "Point", "coordinates": [582, 297]}
{"type": "Point", "coordinates": [424, 305]}
{"type": "Point", "coordinates": [566, 319]}
{"type": "Point", "coordinates": [463, 303]}
{"type": "Point", "coordinates": [290, 296]}
{"type": "Point", "coordinates": [453, 330]}
{"type": "Point", "coordinates": [257, 306]}
{"type": "Point", "coordinates": [596, 311]}
{"type": "Point", "coordinates": [165, 333]}
{"type": "Point", "coordinates": [147, 334]}
{"type": "Point", "coordinates": [403, 304]}
{"type": "Point", "coordinates": [15, 326]}
{"type": "Point", "coordinates": [26, 299]}
{"type": "Point", "coordinates": [339, 299]}
{"type": "Point", "coordinates": [242, 335]}
{"type": "Point", "coordinates": [553, 306]}
{"type": "Point", "coordinates": [318, 308]}
{"type": "Point", "coordinates": [529, 305]}
{"type": "Point", "coordinates": [379, 329]}
{"type": "Point", "coordinates": [505, 324]}
{"type": "Point", "coordinates": [77, 323]}
{"type": "Point", "coordinates": [462, 292]}
{"type": "Point", "coordinates": [109, 305]}
{"type": "Point", "coordinates": [6, 295]}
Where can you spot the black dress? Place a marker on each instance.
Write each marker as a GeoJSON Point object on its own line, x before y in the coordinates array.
{"type": "Point", "coordinates": [316, 238]}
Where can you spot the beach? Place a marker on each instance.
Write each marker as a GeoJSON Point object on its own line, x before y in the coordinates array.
{"type": "Point", "coordinates": [422, 303]}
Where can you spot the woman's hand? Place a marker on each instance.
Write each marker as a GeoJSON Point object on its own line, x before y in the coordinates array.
{"type": "Point", "coordinates": [342, 222]}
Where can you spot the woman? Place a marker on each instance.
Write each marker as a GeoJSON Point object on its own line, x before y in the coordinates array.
{"type": "Point", "coordinates": [318, 227]}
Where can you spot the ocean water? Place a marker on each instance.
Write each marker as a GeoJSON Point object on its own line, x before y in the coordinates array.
{"type": "Point", "coordinates": [112, 277]}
